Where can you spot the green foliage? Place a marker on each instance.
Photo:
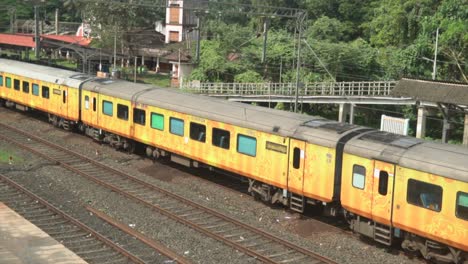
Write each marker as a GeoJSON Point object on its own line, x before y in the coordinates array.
{"type": "Point", "coordinates": [397, 22]}
{"type": "Point", "coordinates": [354, 39]}
{"type": "Point", "coordinates": [451, 18]}
{"type": "Point", "coordinates": [248, 77]}
{"type": "Point", "coordinates": [109, 19]}
{"type": "Point", "coordinates": [8, 8]}
{"type": "Point", "coordinates": [327, 29]}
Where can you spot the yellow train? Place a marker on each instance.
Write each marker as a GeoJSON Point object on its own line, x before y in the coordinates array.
{"type": "Point", "coordinates": [392, 188]}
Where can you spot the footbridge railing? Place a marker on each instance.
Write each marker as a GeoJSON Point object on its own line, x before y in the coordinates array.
{"type": "Point", "coordinates": [339, 89]}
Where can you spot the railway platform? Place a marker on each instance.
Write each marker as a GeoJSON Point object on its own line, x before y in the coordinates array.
{"type": "Point", "coordinates": [22, 242]}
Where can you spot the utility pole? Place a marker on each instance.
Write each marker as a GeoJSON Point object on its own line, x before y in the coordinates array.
{"type": "Point", "coordinates": [198, 39]}
{"type": "Point", "coordinates": [56, 21]}
{"type": "Point", "coordinates": [281, 69]}
{"type": "Point", "coordinates": [300, 20]}
{"type": "Point", "coordinates": [115, 48]}
{"type": "Point", "coordinates": [434, 68]}
{"type": "Point", "coordinates": [12, 11]}
{"type": "Point", "coordinates": [37, 39]}
{"type": "Point", "coordinates": [265, 38]}
{"type": "Point", "coordinates": [135, 70]}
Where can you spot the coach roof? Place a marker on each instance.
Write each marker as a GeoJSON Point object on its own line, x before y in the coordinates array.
{"type": "Point", "coordinates": [269, 120]}
{"type": "Point", "coordinates": [436, 158]}
{"type": "Point", "coordinates": [42, 73]}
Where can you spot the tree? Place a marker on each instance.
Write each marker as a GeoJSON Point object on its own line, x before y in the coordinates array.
{"type": "Point", "coordinates": [110, 18]}
{"type": "Point", "coordinates": [397, 22]}
{"type": "Point", "coordinates": [451, 19]}
{"type": "Point", "coordinates": [326, 29]}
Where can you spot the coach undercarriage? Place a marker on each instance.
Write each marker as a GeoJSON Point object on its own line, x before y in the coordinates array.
{"type": "Point", "coordinates": [411, 243]}
{"type": "Point", "coordinates": [432, 250]}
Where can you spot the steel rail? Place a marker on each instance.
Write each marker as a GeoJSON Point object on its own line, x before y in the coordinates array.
{"type": "Point", "coordinates": [148, 241]}
{"type": "Point", "coordinates": [72, 220]}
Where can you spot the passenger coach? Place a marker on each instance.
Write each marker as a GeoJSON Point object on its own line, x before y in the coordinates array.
{"type": "Point", "coordinates": [53, 91]}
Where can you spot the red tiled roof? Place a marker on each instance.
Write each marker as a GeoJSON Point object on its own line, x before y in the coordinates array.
{"type": "Point", "coordinates": [70, 39]}
{"type": "Point", "coordinates": [17, 40]}
{"type": "Point", "coordinates": [25, 40]}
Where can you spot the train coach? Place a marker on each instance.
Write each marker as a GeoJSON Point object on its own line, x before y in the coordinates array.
{"type": "Point", "coordinates": [53, 91]}
{"type": "Point", "coordinates": [391, 188]}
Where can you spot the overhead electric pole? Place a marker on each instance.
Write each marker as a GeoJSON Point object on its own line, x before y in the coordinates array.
{"type": "Point", "coordinates": [434, 68]}
{"type": "Point", "coordinates": [300, 21]}
{"type": "Point", "coordinates": [37, 39]}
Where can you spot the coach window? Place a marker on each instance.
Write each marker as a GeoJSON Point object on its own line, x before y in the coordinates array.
{"type": "Point", "coordinates": [16, 84]}
{"type": "Point", "coordinates": [94, 104]}
{"type": "Point", "coordinates": [86, 102]}
{"type": "Point", "coordinates": [176, 126]}
{"type": "Point", "coordinates": [1, 80]}
{"type": "Point", "coordinates": [64, 97]}
{"type": "Point", "coordinates": [424, 195]}
{"type": "Point", "coordinates": [197, 132]}
{"type": "Point", "coordinates": [122, 112]}
{"type": "Point", "coordinates": [8, 82]}
{"type": "Point", "coordinates": [25, 87]}
{"type": "Point", "coordinates": [45, 92]}
{"type": "Point", "coordinates": [157, 121]}
{"type": "Point", "coordinates": [107, 108]}
{"type": "Point", "coordinates": [35, 89]}
{"type": "Point", "coordinates": [462, 205]}
{"type": "Point", "coordinates": [296, 158]}
{"type": "Point", "coordinates": [383, 183]}
{"type": "Point", "coordinates": [247, 145]}
{"type": "Point", "coordinates": [359, 177]}
{"type": "Point", "coordinates": [139, 116]}
{"type": "Point", "coordinates": [221, 138]}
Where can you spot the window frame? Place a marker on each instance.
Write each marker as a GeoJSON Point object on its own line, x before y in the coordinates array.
{"type": "Point", "coordinates": [1, 80]}
{"type": "Point", "coordinates": [45, 92]}
{"type": "Point", "coordinates": [8, 82]}
{"type": "Point", "coordinates": [239, 145]}
{"type": "Point", "coordinates": [126, 112]}
{"type": "Point", "coordinates": [420, 189]}
{"type": "Point", "coordinates": [86, 102]}
{"type": "Point", "coordinates": [140, 112]}
{"type": "Point", "coordinates": [104, 103]}
{"type": "Point", "coordinates": [380, 189]}
{"type": "Point", "coordinates": [17, 84]}
{"type": "Point", "coordinates": [35, 89]}
{"type": "Point", "coordinates": [25, 86]}
{"type": "Point", "coordinates": [171, 119]}
{"type": "Point", "coordinates": [357, 166]}
{"type": "Point", "coordinates": [64, 96]}
{"type": "Point", "coordinates": [214, 137]}
{"type": "Point", "coordinates": [199, 129]}
{"type": "Point", "coordinates": [153, 125]}
{"type": "Point", "coordinates": [457, 205]}
{"type": "Point", "coordinates": [296, 158]}
{"type": "Point", "coordinates": [94, 104]}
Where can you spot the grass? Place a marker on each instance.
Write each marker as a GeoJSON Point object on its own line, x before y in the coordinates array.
{"type": "Point", "coordinates": [5, 155]}
{"type": "Point", "coordinates": [149, 78]}
{"type": "Point", "coordinates": [156, 79]}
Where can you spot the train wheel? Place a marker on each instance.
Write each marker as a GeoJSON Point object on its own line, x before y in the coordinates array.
{"type": "Point", "coordinates": [54, 120]}
{"type": "Point", "coordinates": [129, 146]}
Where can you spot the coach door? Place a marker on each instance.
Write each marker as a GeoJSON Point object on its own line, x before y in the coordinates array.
{"type": "Point", "coordinates": [382, 198]}
{"type": "Point", "coordinates": [296, 166]}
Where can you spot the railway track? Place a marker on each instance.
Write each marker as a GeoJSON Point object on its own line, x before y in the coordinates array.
{"type": "Point", "coordinates": [251, 241]}
{"type": "Point", "coordinates": [72, 233]}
